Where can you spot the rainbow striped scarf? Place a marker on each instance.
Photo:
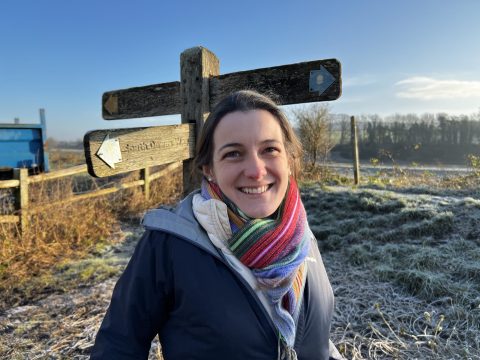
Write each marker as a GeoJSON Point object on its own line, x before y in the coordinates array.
{"type": "Point", "coordinates": [275, 251]}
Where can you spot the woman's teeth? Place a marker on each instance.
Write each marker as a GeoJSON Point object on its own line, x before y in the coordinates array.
{"type": "Point", "coordinates": [254, 190]}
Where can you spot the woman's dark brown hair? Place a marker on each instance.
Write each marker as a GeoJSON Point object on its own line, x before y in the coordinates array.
{"type": "Point", "coordinates": [246, 100]}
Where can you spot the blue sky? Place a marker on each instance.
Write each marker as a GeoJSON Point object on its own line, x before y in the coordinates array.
{"type": "Point", "coordinates": [397, 56]}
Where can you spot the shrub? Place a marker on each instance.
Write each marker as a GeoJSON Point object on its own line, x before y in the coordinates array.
{"type": "Point", "coordinates": [314, 132]}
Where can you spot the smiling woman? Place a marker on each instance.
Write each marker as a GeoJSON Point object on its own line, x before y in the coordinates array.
{"type": "Point", "coordinates": [234, 271]}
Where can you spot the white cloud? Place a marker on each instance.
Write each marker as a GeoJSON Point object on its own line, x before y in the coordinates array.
{"type": "Point", "coordinates": [425, 88]}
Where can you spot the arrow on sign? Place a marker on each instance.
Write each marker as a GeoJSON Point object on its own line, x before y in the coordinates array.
{"type": "Point", "coordinates": [320, 80]}
{"type": "Point", "coordinates": [110, 152]}
{"type": "Point", "coordinates": [111, 105]}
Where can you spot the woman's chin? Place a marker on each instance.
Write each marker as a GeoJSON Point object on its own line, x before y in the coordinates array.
{"type": "Point", "coordinates": [258, 212]}
{"type": "Point", "coordinates": [258, 206]}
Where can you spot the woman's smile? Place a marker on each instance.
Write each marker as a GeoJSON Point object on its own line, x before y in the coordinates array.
{"type": "Point", "coordinates": [255, 190]}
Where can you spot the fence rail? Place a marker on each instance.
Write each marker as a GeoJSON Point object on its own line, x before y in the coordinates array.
{"type": "Point", "coordinates": [22, 181]}
{"type": "Point", "coordinates": [58, 174]}
{"type": "Point", "coordinates": [7, 184]}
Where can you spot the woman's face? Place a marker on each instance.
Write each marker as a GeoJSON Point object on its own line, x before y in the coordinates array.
{"type": "Point", "coordinates": [250, 164]}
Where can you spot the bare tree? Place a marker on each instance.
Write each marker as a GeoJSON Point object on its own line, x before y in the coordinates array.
{"type": "Point", "coordinates": [314, 130]}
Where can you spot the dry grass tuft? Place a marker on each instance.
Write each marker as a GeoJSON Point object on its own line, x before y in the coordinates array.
{"type": "Point", "coordinates": [323, 174]}
{"type": "Point", "coordinates": [59, 159]}
{"type": "Point", "coordinates": [66, 231]}
{"type": "Point", "coordinates": [398, 177]}
{"type": "Point", "coordinates": [131, 204]}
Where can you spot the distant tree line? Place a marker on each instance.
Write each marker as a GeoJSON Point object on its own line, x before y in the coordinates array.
{"type": "Point", "coordinates": [53, 143]}
{"type": "Point", "coordinates": [428, 138]}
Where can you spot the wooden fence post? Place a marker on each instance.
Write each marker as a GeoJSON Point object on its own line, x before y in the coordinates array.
{"type": "Point", "coordinates": [354, 142]}
{"type": "Point", "coordinates": [197, 65]}
{"type": "Point", "coordinates": [145, 176]}
{"type": "Point", "coordinates": [22, 197]}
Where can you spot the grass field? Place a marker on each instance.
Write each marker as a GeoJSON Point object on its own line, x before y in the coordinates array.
{"type": "Point", "coordinates": [405, 267]}
{"type": "Point", "coordinates": [402, 253]}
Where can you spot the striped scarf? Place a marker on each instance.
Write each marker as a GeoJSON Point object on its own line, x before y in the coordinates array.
{"type": "Point", "coordinates": [275, 251]}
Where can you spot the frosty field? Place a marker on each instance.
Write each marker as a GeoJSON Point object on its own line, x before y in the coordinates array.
{"type": "Point", "coordinates": [404, 265]}
{"type": "Point", "coordinates": [405, 268]}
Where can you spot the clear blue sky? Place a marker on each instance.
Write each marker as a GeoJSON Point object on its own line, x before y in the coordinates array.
{"type": "Point", "coordinates": [397, 56]}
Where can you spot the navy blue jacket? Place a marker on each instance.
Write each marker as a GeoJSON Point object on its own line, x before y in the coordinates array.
{"type": "Point", "coordinates": [179, 286]}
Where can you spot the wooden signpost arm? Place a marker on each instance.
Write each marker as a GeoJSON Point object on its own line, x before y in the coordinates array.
{"type": "Point", "coordinates": [142, 101]}
{"type": "Point", "coordinates": [137, 148]}
{"type": "Point", "coordinates": [289, 82]}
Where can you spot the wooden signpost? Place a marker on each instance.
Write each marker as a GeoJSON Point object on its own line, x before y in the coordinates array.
{"type": "Point", "coordinates": [110, 152]}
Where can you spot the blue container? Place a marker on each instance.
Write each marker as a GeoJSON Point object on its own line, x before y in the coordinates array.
{"type": "Point", "coordinates": [22, 146]}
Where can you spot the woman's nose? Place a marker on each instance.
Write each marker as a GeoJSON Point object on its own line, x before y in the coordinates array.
{"type": "Point", "coordinates": [255, 167]}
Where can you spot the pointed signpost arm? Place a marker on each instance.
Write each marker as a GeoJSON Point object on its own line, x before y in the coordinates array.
{"type": "Point", "coordinates": [197, 65]}
{"type": "Point", "coordinates": [292, 84]}
{"type": "Point", "coordinates": [289, 84]}
{"type": "Point", "coordinates": [142, 101]}
{"type": "Point", "coordinates": [115, 151]}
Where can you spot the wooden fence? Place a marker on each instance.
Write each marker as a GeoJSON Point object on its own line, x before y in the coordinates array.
{"type": "Point", "coordinates": [22, 181]}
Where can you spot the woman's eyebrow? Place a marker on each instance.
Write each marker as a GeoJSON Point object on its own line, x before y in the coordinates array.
{"type": "Point", "coordinates": [271, 141]}
{"type": "Point", "coordinates": [267, 141]}
{"type": "Point", "coordinates": [229, 145]}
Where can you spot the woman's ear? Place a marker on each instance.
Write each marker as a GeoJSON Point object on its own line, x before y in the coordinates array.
{"type": "Point", "coordinates": [208, 173]}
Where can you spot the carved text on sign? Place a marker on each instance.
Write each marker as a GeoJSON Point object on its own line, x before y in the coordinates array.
{"type": "Point", "coordinates": [151, 145]}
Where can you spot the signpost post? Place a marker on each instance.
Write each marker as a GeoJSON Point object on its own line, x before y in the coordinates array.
{"type": "Point", "coordinates": [110, 152]}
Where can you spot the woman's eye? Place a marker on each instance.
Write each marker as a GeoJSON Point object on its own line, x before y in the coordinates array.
{"type": "Point", "coordinates": [231, 154]}
{"type": "Point", "coordinates": [271, 150]}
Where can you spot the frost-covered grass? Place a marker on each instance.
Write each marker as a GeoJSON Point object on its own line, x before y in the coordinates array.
{"type": "Point", "coordinates": [405, 267]}
{"type": "Point", "coordinates": [404, 262]}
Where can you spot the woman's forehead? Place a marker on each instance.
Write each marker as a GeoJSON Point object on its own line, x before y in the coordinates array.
{"type": "Point", "coordinates": [247, 126]}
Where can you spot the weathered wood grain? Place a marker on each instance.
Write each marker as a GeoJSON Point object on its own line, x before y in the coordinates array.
{"type": "Point", "coordinates": [143, 101]}
{"type": "Point", "coordinates": [354, 142]}
{"type": "Point", "coordinates": [7, 184]}
{"type": "Point", "coordinates": [141, 147]}
{"type": "Point", "coordinates": [197, 66]}
{"type": "Point", "coordinates": [21, 197]}
{"type": "Point", "coordinates": [145, 176]}
{"type": "Point", "coordinates": [90, 195]}
{"type": "Point", "coordinates": [74, 170]}
{"type": "Point", "coordinates": [289, 83]}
